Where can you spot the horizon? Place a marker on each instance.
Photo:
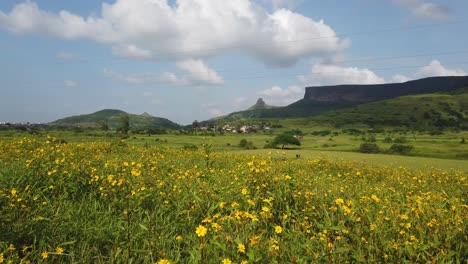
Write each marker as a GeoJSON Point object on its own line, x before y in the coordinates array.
{"type": "Point", "coordinates": [187, 60]}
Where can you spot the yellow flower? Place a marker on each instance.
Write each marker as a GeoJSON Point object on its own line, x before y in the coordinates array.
{"type": "Point", "coordinates": [244, 262]}
{"type": "Point", "coordinates": [201, 231]}
{"type": "Point", "coordinates": [226, 261]}
{"type": "Point", "coordinates": [45, 255]}
{"type": "Point", "coordinates": [1, 258]}
{"type": "Point", "coordinates": [58, 250]}
{"type": "Point", "coordinates": [179, 238]}
{"type": "Point", "coordinates": [265, 209]}
{"type": "Point", "coordinates": [164, 261]}
{"type": "Point", "coordinates": [254, 240]}
{"type": "Point", "coordinates": [11, 247]}
{"type": "Point", "coordinates": [241, 248]}
{"type": "Point", "coordinates": [278, 229]}
{"type": "Point", "coordinates": [375, 198]}
{"type": "Point", "coordinates": [339, 201]}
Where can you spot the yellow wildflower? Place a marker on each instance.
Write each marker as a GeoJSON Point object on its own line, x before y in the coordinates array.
{"type": "Point", "coordinates": [58, 250]}
{"type": "Point", "coordinates": [339, 201]}
{"type": "Point", "coordinates": [241, 248]}
{"type": "Point", "coordinates": [164, 261]}
{"type": "Point", "coordinates": [201, 231]}
{"type": "Point", "coordinates": [226, 261]}
{"type": "Point", "coordinates": [45, 255]}
{"type": "Point", "coordinates": [278, 229]}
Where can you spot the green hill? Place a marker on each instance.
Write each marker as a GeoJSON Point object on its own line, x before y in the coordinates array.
{"type": "Point", "coordinates": [321, 99]}
{"type": "Point", "coordinates": [425, 111]}
{"type": "Point", "coordinates": [111, 117]}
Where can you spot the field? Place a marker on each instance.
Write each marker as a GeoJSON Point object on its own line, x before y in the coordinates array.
{"type": "Point", "coordinates": [113, 201]}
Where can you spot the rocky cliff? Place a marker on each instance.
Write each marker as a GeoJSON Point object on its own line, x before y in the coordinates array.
{"type": "Point", "coordinates": [357, 94]}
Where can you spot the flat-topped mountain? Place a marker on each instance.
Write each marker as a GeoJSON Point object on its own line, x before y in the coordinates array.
{"type": "Point", "coordinates": [320, 99]}
{"type": "Point", "coordinates": [111, 118]}
{"type": "Point", "coordinates": [357, 94]}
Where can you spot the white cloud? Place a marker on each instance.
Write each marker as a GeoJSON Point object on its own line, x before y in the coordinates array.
{"type": "Point", "coordinates": [196, 73]}
{"type": "Point", "coordinates": [282, 96]}
{"type": "Point", "coordinates": [190, 28]}
{"type": "Point", "coordinates": [399, 78]}
{"type": "Point", "coordinates": [199, 73]}
{"type": "Point", "coordinates": [425, 9]}
{"type": "Point", "coordinates": [70, 84]}
{"type": "Point", "coordinates": [435, 68]}
{"type": "Point", "coordinates": [334, 75]}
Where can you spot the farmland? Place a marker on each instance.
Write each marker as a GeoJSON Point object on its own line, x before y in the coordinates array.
{"type": "Point", "coordinates": [116, 201]}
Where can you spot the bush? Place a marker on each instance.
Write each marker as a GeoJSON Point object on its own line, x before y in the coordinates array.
{"type": "Point", "coordinates": [369, 148]}
{"type": "Point", "coordinates": [388, 140]}
{"type": "Point", "coordinates": [400, 148]}
{"type": "Point", "coordinates": [246, 144]}
{"type": "Point", "coordinates": [243, 143]}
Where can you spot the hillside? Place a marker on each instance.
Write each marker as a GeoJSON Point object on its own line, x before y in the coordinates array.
{"type": "Point", "coordinates": [111, 117]}
{"type": "Point", "coordinates": [321, 99]}
{"type": "Point", "coordinates": [425, 111]}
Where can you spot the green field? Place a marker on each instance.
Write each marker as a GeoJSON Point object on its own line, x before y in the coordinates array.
{"type": "Point", "coordinates": [105, 200]}
{"type": "Point", "coordinates": [442, 151]}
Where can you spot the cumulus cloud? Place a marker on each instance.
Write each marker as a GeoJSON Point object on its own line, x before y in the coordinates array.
{"type": "Point", "coordinates": [425, 9]}
{"type": "Point", "coordinates": [282, 96]}
{"type": "Point", "coordinates": [190, 28]}
{"type": "Point", "coordinates": [399, 78]}
{"type": "Point", "coordinates": [196, 73]}
{"type": "Point", "coordinates": [435, 68]}
{"type": "Point", "coordinates": [199, 73]}
{"type": "Point", "coordinates": [333, 75]}
{"type": "Point", "coordinates": [70, 84]}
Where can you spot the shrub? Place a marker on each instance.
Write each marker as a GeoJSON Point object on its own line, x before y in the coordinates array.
{"type": "Point", "coordinates": [243, 143]}
{"type": "Point", "coordinates": [400, 148]}
{"type": "Point", "coordinates": [369, 147]}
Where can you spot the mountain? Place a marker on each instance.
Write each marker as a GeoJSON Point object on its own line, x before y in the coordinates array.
{"type": "Point", "coordinates": [111, 117]}
{"type": "Point", "coordinates": [260, 104]}
{"type": "Point", "coordinates": [320, 99]}
{"type": "Point", "coordinates": [423, 111]}
{"type": "Point", "coordinates": [358, 94]}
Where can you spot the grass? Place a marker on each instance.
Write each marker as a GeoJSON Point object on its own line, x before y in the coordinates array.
{"type": "Point", "coordinates": [114, 202]}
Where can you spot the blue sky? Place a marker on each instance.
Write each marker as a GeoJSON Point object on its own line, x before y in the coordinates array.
{"type": "Point", "coordinates": [196, 59]}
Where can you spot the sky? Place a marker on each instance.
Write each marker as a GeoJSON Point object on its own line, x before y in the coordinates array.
{"type": "Point", "coordinates": [189, 60]}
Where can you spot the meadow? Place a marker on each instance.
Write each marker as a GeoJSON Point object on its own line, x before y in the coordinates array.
{"type": "Point", "coordinates": [120, 201]}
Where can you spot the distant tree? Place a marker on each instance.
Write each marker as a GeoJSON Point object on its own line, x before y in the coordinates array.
{"type": "Point", "coordinates": [103, 126]}
{"type": "Point", "coordinates": [369, 147]}
{"type": "Point", "coordinates": [195, 124]}
{"type": "Point", "coordinates": [124, 124]}
{"type": "Point", "coordinates": [285, 139]}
